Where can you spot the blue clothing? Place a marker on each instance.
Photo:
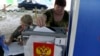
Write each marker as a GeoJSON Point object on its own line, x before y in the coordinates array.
{"type": "Point", "coordinates": [4, 48]}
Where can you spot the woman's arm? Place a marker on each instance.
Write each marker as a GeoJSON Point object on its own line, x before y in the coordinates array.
{"type": "Point", "coordinates": [14, 36]}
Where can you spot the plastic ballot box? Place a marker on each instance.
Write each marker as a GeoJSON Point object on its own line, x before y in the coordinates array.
{"type": "Point", "coordinates": [44, 42]}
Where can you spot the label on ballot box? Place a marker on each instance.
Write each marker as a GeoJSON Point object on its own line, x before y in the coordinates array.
{"type": "Point", "coordinates": [43, 49]}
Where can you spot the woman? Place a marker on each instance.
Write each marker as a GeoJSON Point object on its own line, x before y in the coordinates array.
{"type": "Point", "coordinates": [56, 17]}
{"type": "Point", "coordinates": [26, 21]}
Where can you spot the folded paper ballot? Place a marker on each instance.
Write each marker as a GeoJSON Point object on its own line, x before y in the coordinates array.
{"type": "Point", "coordinates": [42, 29]}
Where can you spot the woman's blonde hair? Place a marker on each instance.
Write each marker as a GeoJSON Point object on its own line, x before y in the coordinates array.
{"type": "Point", "coordinates": [27, 19]}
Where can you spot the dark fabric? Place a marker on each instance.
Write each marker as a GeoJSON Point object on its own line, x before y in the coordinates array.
{"type": "Point", "coordinates": [17, 32]}
{"type": "Point", "coordinates": [50, 19]}
{"type": "Point", "coordinates": [1, 51]}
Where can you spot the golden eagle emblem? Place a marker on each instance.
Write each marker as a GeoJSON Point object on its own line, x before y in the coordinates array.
{"type": "Point", "coordinates": [43, 51]}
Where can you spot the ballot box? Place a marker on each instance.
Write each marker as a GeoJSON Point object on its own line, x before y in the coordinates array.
{"type": "Point", "coordinates": [43, 41]}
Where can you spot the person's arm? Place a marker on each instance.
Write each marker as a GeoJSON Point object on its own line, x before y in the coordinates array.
{"type": "Point", "coordinates": [42, 20]}
{"type": "Point", "coordinates": [14, 36]}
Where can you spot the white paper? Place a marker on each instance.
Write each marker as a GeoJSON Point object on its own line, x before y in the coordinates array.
{"type": "Point", "coordinates": [42, 29]}
{"type": "Point", "coordinates": [15, 49]}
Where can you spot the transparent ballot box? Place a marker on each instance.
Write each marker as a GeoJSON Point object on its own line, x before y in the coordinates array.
{"type": "Point", "coordinates": [44, 42]}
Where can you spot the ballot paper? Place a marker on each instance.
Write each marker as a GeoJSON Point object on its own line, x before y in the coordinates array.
{"type": "Point", "coordinates": [15, 49]}
{"type": "Point", "coordinates": [42, 29]}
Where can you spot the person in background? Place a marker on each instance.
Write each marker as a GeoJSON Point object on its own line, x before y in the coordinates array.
{"type": "Point", "coordinates": [5, 7]}
{"type": "Point", "coordinates": [26, 21]}
{"type": "Point", "coordinates": [55, 17]}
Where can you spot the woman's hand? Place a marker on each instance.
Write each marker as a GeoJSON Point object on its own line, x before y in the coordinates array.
{"type": "Point", "coordinates": [41, 21]}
